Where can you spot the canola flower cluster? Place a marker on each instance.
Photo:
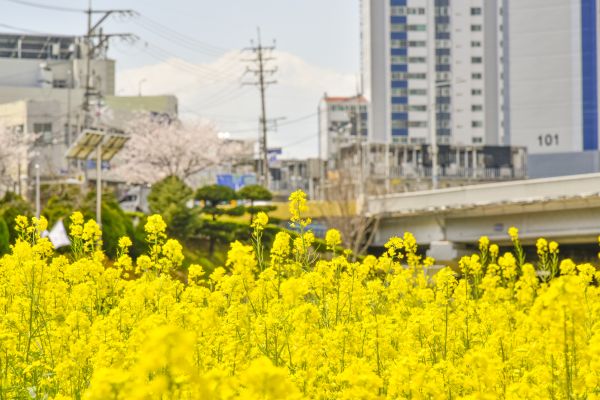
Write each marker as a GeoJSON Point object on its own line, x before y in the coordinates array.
{"type": "Point", "coordinates": [291, 324]}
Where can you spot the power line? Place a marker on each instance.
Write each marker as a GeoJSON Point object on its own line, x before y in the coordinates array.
{"type": "Point", "coordinates": [263, 56]}
{"type": "Point", "coordinates": [46, 6]}
{"type": "Point", "coordinates": [178, 37]}
{"type": "Point", "coordinates": [278, 124]}
{"type": "Point", "coordinates": [24, 30]}
{"type": "Point", "coordinates": [300, 141]}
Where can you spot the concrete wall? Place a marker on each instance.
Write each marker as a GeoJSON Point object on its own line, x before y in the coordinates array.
{"type": "Point", "coordinates": [580, 225]}
{"type": "Point", "coordinates": [26, 73]}
{"type": "Point", "coordinates": [545, 60]}
{"type": "Point", "coordinates": [484, 194]}
{"type": "Point", "coordinates": [561, 164]}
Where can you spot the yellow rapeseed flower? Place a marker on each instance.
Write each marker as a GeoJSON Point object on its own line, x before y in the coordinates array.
{"type": "Point", "coordinates": [333, 238]}
{"type": "Point", "coordinates": [513, 233]}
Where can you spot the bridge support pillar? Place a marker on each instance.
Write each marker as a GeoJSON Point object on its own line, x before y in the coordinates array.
{"type": "Point", "coordinates": [443, 251]}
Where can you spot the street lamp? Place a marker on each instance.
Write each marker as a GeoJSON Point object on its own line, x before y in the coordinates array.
{"type": "Point", "coordinates": [38, 207]}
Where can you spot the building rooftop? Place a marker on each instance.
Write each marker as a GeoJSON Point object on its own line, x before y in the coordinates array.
{"type": "Point", "coordinates": [340, 99]}
{"type": "Point", "coordinates": [37, 46]}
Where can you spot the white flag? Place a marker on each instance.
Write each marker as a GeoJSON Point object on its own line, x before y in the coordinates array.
{"type": "Point", "coordinates": [58, 235]}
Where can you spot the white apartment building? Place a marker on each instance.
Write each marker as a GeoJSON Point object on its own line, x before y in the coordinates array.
{"type": "Point", "coordinates": [553, 75]}
{"type": "Point", "coordinates": [339, 118]}
{"type": "Point", "coordinates": [421, 54]}
{"type": "Point", "coordinates": [551, 83]}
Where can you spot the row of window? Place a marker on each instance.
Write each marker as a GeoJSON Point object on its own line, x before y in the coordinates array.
{"type": "Point", "coordinates": [351, 107]}
{"type": "Point", "coordinates": [408, 60]}
{"type": "Point", "coordinates": [442, 27]}
{"type": "Point", "coordinates": [439, 11]}
{"type": "Point", "coordinates": [407, 43]}
{"type": "Point", "coordinates": [408, 28]}
{"type": "Point", "coordinates": [403, 92]}
{"type": "Point", "coordinates": [408, 107]}
{"type": "Point", "coordinates": [444, 124]}
{"type": "Point", "coordinates": [403, 10]}
{"type": "Point", "coordinates": [403, 76]}
{"type": "Point", "coordinates": [402, 124]}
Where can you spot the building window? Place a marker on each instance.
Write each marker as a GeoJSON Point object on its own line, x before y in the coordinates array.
{"type": "Point", "coordinates": [417, 92]}
{"type": "Point", "coordinates": [442, 27]}
{"type": "Point", "coordinates": [417, 28]}
{"type": "Point", "coordinates": [477, 139]}
{"type": "Point", "coordinates": [476, 60]}
{"type": "Point", "coordinates": [398, 28]}
{"type": "Point", "coordinates": [475, 10]}
{"type": "Point", "coordinates": [442, 59]}
{"type": "Point", "coordinates": [399, 124]}
{"type": "Point", "coordinates": [476, 75]}
{"type": "Point", "coordinates": [416, 43]}
{"type": "Point", "coordinates": [476, 124]}
{"type": "Point", "coordinates": [59, 83]}
{"type": "Point", "coordinates": [443, 91]}
{"type": "Point", "coordinates": [441, 11]}
{"type": "Point", "coordinates": [395, 43]}
{"type": "Point", "coordinates": [475, 28]}
{"type": "Point", "coordinates": [417, 124]}
{"type": "Point", "coordinates": [415, 11]}
{"type": "Point", "coordinates": [475, 43]}
{"type": "Point", "coordinates": [476, 92]}
{"type": "Point", "coordinates": [399, 59]}
{"type": "Point", "coordinates": [44, 131]}
{"type": "Point", "coordinates": [398, 10]}
{"type": "Point", "coordinates": [402, 76]}
{"type": "Point", "coordinates": [476, 107]}
{"type": "Point", "coordinates": [399, 92]}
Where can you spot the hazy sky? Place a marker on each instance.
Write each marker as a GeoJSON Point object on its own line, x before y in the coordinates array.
{"type": "Point", "coordinates": [191, 48]}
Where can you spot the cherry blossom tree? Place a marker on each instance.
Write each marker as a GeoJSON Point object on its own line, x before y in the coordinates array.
{"type": "Point", "coordinates": [15, 154]}
{"type": "Point", "coordinates": [159, 147]}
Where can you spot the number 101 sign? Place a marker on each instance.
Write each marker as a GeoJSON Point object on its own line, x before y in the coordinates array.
{"type": "Point", "coordinates": [548, 140]}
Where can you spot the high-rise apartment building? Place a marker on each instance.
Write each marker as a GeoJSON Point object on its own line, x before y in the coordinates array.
{"type": "Point", "coordinates": [551, 83]}
{"type": "Point", "coordinates": [553, 75]}
{"type": "Point", "coordinates": [421, 54]}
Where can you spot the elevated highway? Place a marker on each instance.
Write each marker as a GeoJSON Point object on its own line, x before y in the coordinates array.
{"type": "Point", "coordinates": [566, 209]}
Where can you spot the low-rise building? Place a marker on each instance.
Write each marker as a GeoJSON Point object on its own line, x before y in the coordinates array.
{"type": "Point", "coordinates": [342, 121]}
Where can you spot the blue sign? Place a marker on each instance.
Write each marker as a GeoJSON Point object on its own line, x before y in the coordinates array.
{"type": "Point", "coordinates": [236, 181]}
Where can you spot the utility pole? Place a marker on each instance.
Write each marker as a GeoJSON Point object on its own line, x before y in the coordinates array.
{"type": "Point", "coordinates": [261, 72]}
{"type": "Point", "coordinates": [96, 40]}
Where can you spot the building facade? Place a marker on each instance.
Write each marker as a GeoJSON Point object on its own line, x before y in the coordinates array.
{"type": "Point", "coordinates": [432, 63]}
{"type": "Point", "coordinates": [552, 82]}
{"type": "Point", "coordinates": [43, 94]}
{"type": "Point", "coordinates": [342, 120]}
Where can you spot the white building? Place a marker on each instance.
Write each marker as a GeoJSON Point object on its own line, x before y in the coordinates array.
{"type": "Point", "coordinates": [421, 53]}
{"type": "Point", "coordinates": [552, 75]}
{"type": "Point", "coordinates": [43, 90]}
{"type": "Point", "coordinates": [339, 118]}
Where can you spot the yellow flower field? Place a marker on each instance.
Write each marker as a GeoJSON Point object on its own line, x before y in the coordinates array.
{"type": "Point", "coordinates": [292, 324]}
